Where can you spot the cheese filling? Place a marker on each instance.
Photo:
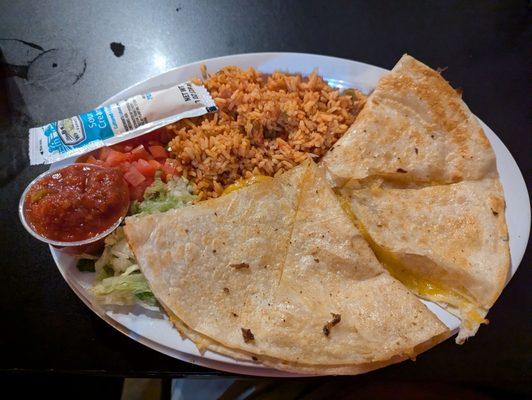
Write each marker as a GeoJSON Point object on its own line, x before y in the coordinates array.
{"type": "Point", "coordinates": [242, 183]}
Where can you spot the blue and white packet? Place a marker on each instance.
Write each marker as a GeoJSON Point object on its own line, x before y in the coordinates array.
{"type": "Point", "coordinates": [117, 122]}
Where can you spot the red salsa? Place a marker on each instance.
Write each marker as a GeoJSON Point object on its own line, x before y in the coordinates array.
{"type": "Point", "coordinates": [77, 202]}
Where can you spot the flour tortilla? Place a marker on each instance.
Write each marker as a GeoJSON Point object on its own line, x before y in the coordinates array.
{"type": "Point", "coordinates": [454, 234]}
{"type": "Point", "coordinates": [204, 343]}
{"type": "Point", "coordinates": [414, 128]}
{"type": "Point", "coordinates": [279, 258]}
{"type": "Point", "coordinates": [421, 178]}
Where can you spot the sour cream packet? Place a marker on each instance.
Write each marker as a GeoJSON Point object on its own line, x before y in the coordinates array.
{"type": "Point", "coordinates": [117, 122]}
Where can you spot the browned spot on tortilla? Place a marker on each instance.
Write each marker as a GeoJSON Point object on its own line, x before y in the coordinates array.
{"type": "Point", "coordinates": [327, 327]}
{"type": "Point", "coordinates": [247, 335]}
{"type": "Point", "coordinates": [239, 266]}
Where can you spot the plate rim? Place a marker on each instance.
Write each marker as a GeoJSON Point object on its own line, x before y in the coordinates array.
{"type": "Point", "coordinates": [120, 95]}
{"type": "Point", "coordinates": [235, 366]}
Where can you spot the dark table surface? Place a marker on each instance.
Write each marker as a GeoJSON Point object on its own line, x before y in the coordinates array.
{"type": "Point", "coordinates": [57, 60]}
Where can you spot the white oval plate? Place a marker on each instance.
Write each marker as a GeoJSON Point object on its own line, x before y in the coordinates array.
{"type": "Point", "coordinates": [153, 329]}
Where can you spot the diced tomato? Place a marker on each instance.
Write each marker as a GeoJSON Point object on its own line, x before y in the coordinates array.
{"type": "Point", "coordinates": [114, 158]}
{"type": "Point", "coordinates": [145, 168]}
{"type": "Point", "coordinates": [125, 166]}
{"type": "Point", "coordinates": [149, 181]}
{"type": "Point", "coordinates": [140, 152]}
{"type": "Point", "coordinates": [134, 177]}
{"type": "Point", "coordinates": [155, 164]}
{"type": "Point", "coordinates": [137, 192]}
{"type": "Point", "coordinates": [103, 153]}
{"type": "Point", "coordinates": [91, 160]}
{"type": "Point", "coordinates": [138, 159]}
{"type": "Point", "coordinates": [117, 147]}
{"type": "Point", "coordinates": [168, 168]}
{"type": "Point", "coordinates": [158, 151]}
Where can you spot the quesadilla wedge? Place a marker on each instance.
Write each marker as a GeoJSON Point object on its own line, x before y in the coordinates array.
{"type": "Point", "coordinates": [204, 343]}
{"type": "Point", "coordinates": [414, 128]}
{"type": "Point", "coordinates": [448, 243]}
{"type": "Point", "coordinates": [278, 271]}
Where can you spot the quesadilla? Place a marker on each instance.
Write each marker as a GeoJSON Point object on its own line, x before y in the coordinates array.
{"type": "Point", "coordinates": [448, 243]}
{"type": "Point", "coordinates": [414, 128]}
{"type": "Point", "coordinates": [277, 272]}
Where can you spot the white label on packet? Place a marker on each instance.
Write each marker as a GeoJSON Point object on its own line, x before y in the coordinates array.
{"type": "Point", "coordinates": [117, 122]}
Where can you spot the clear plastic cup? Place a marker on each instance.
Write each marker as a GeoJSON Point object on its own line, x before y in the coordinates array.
{"type": "Point", "coordinates": [91, 245]}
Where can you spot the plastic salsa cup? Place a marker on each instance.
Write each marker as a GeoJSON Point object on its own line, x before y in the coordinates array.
{"type": "Point", "coordinates": [86, 203]}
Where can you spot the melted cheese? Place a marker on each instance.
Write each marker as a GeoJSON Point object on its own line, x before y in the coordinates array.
{"type": "Point", "coordinates": [242, 183]}
{"type": "Point", "coordinates": [431, 290]}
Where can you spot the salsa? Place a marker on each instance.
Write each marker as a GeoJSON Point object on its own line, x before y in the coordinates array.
{"type": "Point", "coordinates": [77, 202]}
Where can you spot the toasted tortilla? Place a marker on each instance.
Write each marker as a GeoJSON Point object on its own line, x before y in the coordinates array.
{"type": "Point", "coordinates": [414, 128]}
{"type": "Point", "coordinates": [421, 181]}
{"type": "Point", "coordinates": [204, 343]}
{"type": "Point", "coordinates": [278, 270]}
{"type": "Point", "coordinates": [447, 243]}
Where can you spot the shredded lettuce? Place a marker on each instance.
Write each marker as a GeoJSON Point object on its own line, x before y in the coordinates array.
{"type": "Point", "coordinates": [125, 288]}
{"type": "Point", "coordinates": [116, 258]}
{"type": "Point", "coordinates": [118, 276]}
{"type": "Point", "coordinates": [161, 197]}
